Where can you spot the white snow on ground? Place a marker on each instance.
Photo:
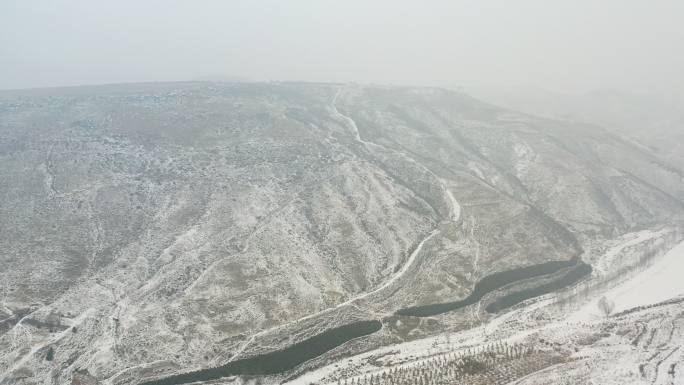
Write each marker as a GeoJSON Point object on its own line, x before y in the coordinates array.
{"type": "Point", "coordinates": [419, 350]}
{"type": "Point", "coordinates": [350, 122]}
{"type": "Point", "coordinates": [472, 166]}
{"type": "Point", "coordinates": [525, 158]}
{"type": "Point", "coordinates": [455, 214]}
{"type": "Point", "coordinates": [455, 206]}
{"type": "Point", "coordinates": [350, 301]}
{"type": "Point", "coordinates": [657, 283]}
{"type": "Point", "coordinates": [412, 348]}
{"type": "Point", "coordinates": [31, 353]}
{"type": "Point", "coordinates": [603, 265]}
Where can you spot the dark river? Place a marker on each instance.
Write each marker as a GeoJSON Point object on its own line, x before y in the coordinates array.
{"type": "Point", "coordinates": [486, 285]}
{"type": "Point", "coordinates": [292, 356]}
{"type": "Point", "coordinates": [280, 360]}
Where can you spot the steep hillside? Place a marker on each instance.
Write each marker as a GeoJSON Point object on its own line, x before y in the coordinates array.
{"type": "Point", "coordinates": [156, 229]}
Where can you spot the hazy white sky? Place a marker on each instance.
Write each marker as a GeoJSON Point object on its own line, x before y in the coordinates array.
{"type": "Point", "coordinates": [571, 45]}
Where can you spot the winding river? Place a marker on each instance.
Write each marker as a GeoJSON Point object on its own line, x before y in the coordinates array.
{"type": "Point", "coordinates": [278, 361]}
{"type": "Point", "coordinates": [487, 285]}
{"type": "Point", "coordinates": [286, 359]}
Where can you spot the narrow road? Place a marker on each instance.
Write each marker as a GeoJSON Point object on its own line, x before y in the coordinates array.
{"type": "Point", "coordinates": [36, 347]}
{"type": "Point", "coordinates": [455, 214]}
{"type": "Point", "coordinates": [454, 206]}
{"type": "Point", "coordinates": [400, 273]}
{"type": "Point", "coordinates": [349, 121]}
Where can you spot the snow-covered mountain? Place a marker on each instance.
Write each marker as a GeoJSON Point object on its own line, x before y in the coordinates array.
{"type": "Point", "coordinates": [150, 231]}
{"type": "Point", "coordinates": [652, 120]}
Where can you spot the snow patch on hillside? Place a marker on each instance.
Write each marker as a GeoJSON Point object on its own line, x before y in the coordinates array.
{"type": "Point", "coordinates": [657, 283]}
{"type": "Point", "coordinates": [603, 266]}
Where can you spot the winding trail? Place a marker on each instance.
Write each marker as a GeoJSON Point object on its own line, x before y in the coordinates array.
{"type": "Point", "coordinates": [454, 206]}
{"type": "Point", "coordinates": [348, 302]}
{"type": "Point", "coordinates": [36, 347]}
{"type": "Point", "coordinates": [455, 214]}
{"type": "Point", "coordinates": [349, 121]}
{"type": "Point", "coordinates": [502, 328]}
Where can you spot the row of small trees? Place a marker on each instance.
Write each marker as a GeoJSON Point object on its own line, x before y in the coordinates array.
{"type": "Point", "coordinates": [445, 369]}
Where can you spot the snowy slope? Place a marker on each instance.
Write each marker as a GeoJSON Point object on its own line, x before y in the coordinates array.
{"type": "Point", "coordinates": [183, 226]}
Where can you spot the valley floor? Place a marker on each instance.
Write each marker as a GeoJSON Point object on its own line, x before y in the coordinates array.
{"type": "Point", "coordinates": [561, 338]}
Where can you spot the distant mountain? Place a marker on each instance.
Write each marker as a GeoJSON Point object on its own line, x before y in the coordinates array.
{"type": "Point", "coordinates": [656, 121]}
{"type": "Point", "coordinates": [221, 78]}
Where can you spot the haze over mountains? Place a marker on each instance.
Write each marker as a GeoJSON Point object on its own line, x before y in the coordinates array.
{"type": "Point", "coordinates": [151, 230]}
{"type": "Point", "coordinates": [654, 120]}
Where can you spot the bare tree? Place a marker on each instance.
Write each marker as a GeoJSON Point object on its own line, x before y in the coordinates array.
{"type": "Point", "coordinates": [606, 306]}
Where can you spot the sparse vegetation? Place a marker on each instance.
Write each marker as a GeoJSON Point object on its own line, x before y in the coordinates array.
{"type": "Point", "coordinates": [194, 223]}
{"type": "Point", "coordinates": [606, 306]}
{"type": "Point", "coordinates": [495, 364]}
{"type": "Point", "coordinates": [50, 355]}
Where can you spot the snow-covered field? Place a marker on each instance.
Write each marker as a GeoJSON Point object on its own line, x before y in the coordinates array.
{"type": "Point", "coordinates": [657, 283]}
{"type": "Point", "coordinates": [607, 260]}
